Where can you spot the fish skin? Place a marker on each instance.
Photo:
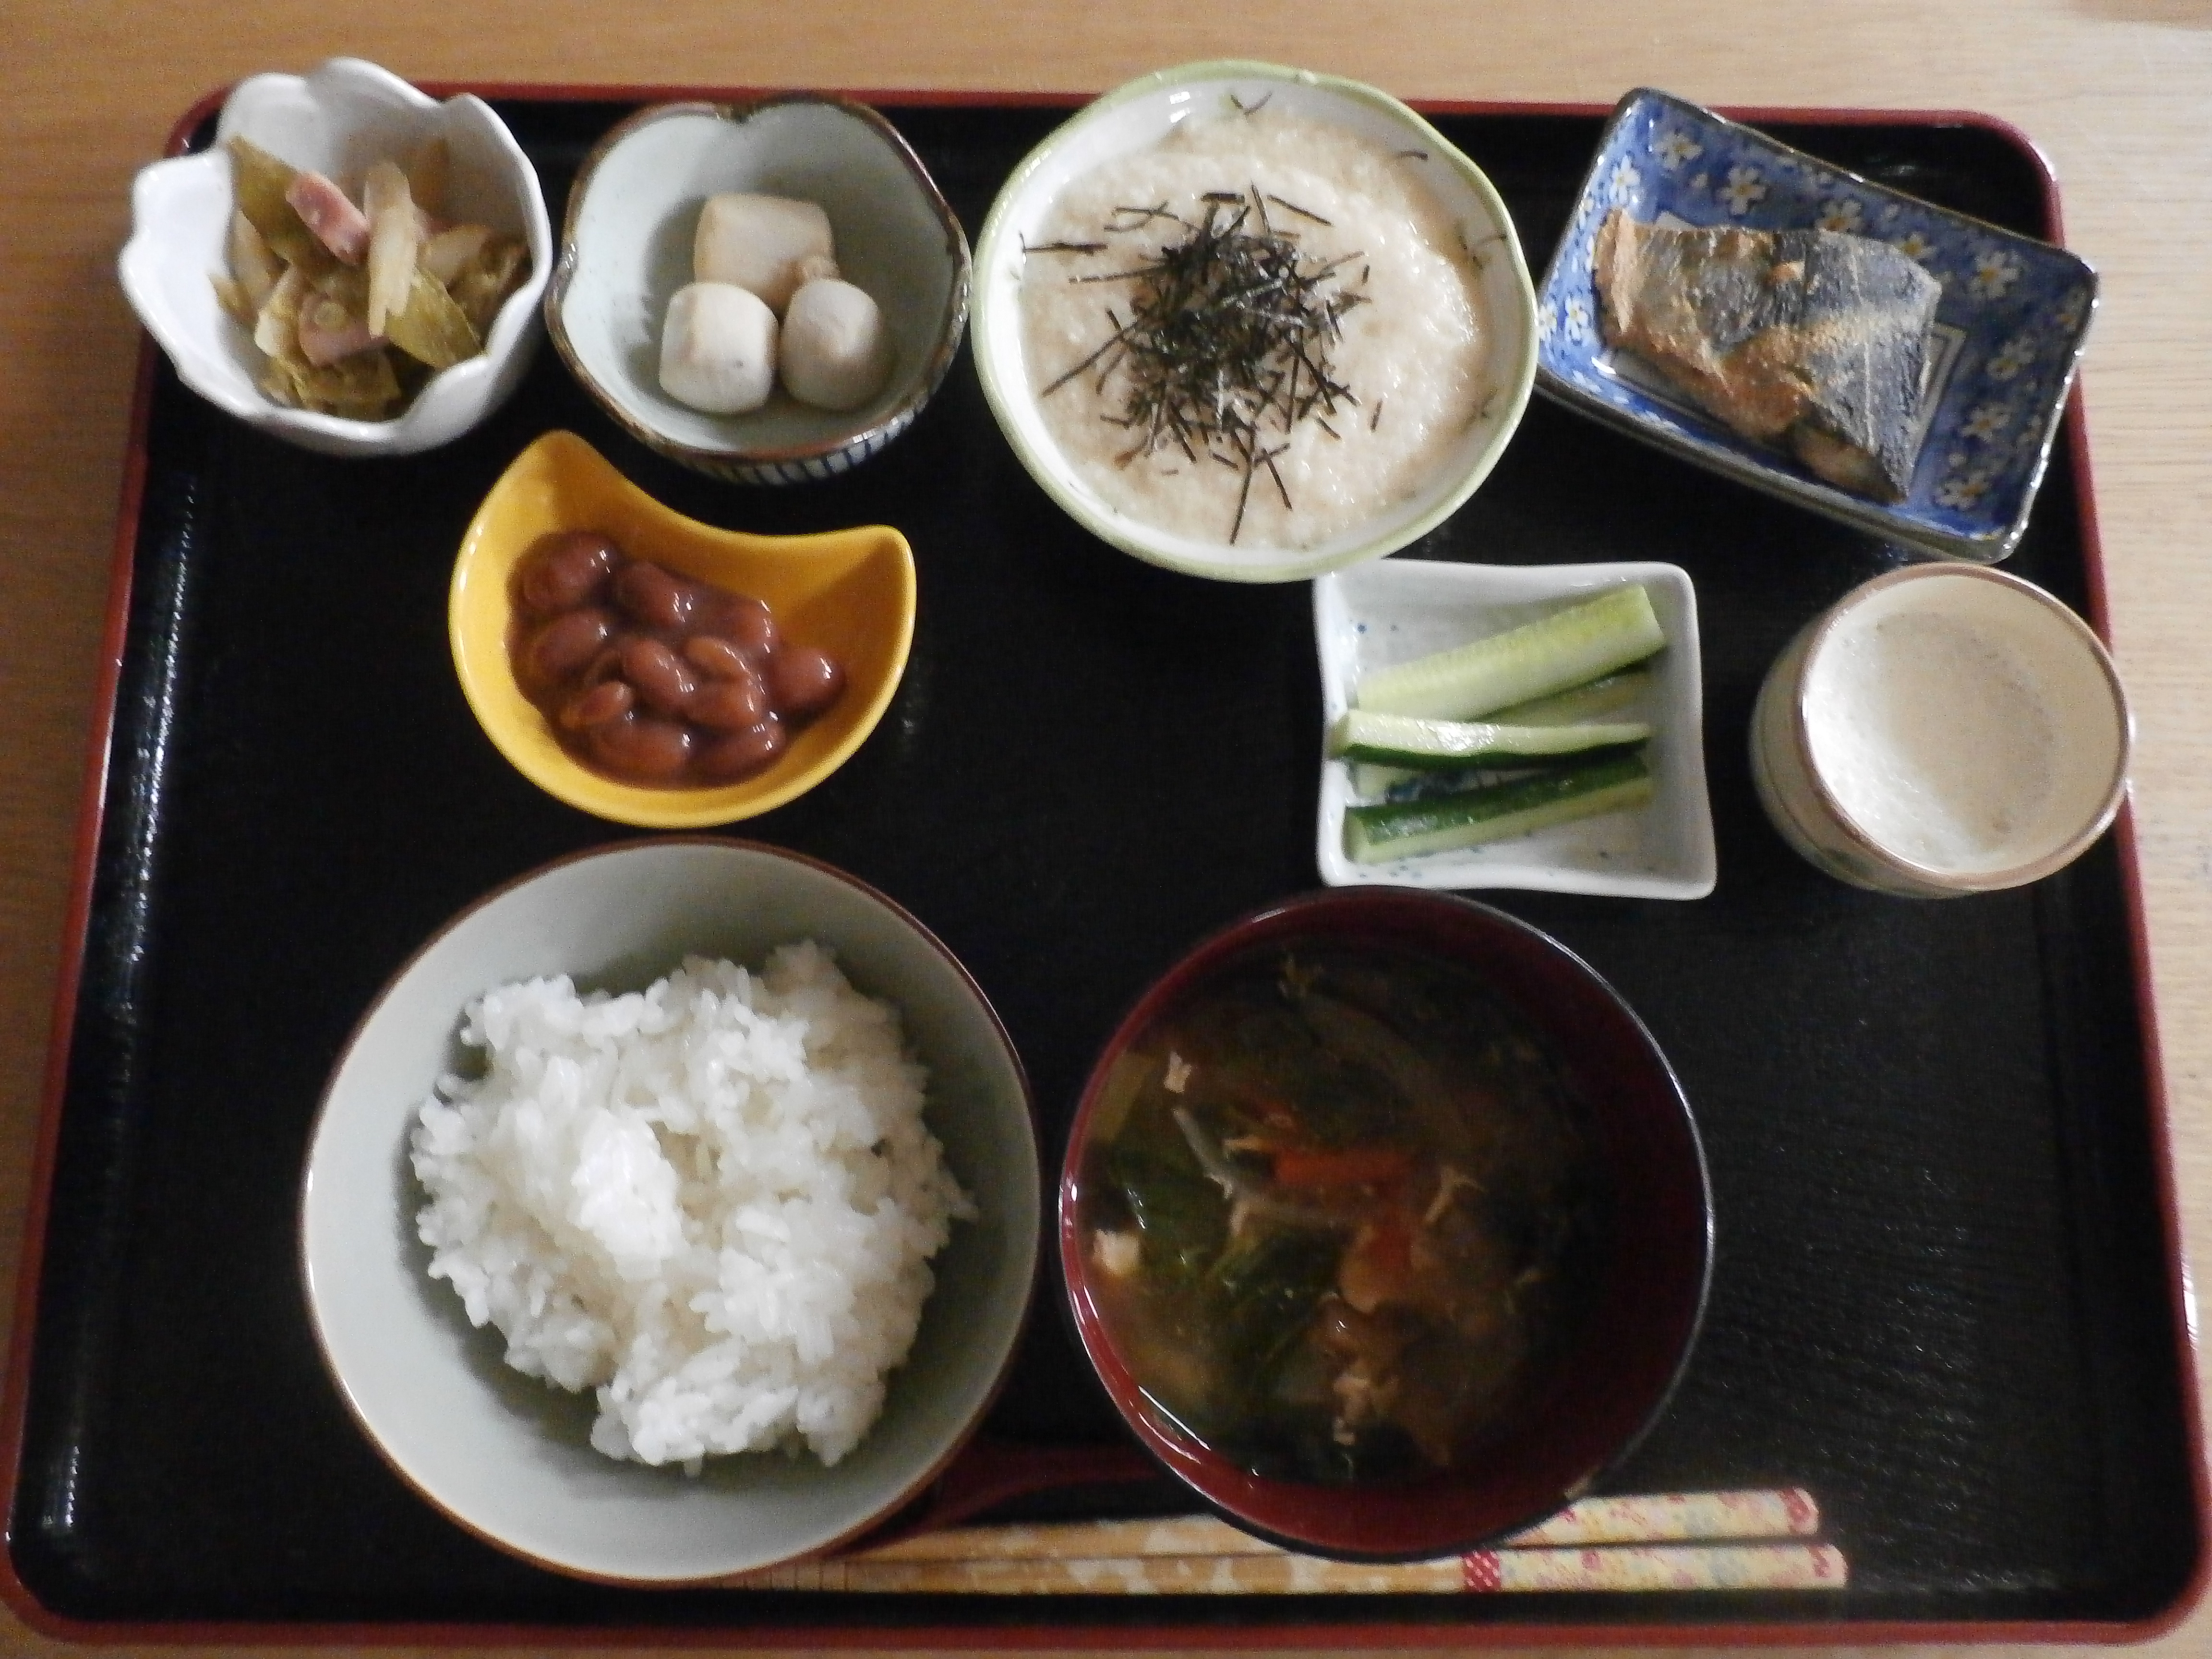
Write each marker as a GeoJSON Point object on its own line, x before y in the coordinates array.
{"type": "Point", "coordinates": [1815, 341]}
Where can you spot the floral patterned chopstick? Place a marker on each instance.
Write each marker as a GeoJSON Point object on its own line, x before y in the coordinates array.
{"type": "Point", "coordinates": [1662, 1542]}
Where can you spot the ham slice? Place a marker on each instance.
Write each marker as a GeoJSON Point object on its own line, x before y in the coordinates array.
{"type": "Point", "coordinates": [327, 211]}
{"type": "Point", "coordinates": [328, 332]}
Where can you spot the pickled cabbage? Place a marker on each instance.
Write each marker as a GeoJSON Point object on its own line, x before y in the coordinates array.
{"type": "Point", "coordinates": [424, 301]}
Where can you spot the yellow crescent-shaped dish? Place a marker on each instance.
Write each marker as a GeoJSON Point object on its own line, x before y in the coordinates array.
{"type": "Point", "coordinates": [848, 593]}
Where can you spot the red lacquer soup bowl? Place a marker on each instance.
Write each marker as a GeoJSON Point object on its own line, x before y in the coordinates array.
{"type": "Point", "coordinates": [1385, 1224]}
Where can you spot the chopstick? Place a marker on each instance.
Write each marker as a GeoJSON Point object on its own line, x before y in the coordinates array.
{"type": "Point", "coordinates": [1662, 1542]}
{"type": "Point", "coordinates": [1672, 1517]}
{"type": "Point", "coordinates": [1613, 1567]}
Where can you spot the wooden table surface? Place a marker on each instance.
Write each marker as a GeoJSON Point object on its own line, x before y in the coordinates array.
{"type": "Point", "coordinates": [2117, 93]}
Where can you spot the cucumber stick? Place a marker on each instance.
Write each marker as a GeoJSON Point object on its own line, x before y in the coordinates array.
{"type": "Point", "coordinates": [1444, 823]}
{"type": "Point", "coordinates": [1372, 782]}
{"type": "Point", "coordinates": [1549, 654]}
{"type": "Point", "coordinates": [1401, 740]}
{"type": "Point", "coordinates": [1577, 704]}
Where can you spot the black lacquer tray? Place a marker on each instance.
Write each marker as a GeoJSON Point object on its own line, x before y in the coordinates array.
{"type": "Point", "coordinates": [1946, 1298]}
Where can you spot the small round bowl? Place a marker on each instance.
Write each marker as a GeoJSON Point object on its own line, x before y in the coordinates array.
{"type": "Point", "coordinates": [1941, 730]}
{"type": "Point", "coordinates": [1138, 115]}
{"type": "Point", "coordinates": [626, 249]}
{"type": "Point", "coordinates": [508, 1457]}
{"type": "Point", "coordinates": [849, 593]}
{"type": "Point", "coordinates": [337, 120]}
{"type": "Point", "coordinates": [1616, 1364]}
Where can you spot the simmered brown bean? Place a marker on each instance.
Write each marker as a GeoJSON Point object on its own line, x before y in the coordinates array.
{"type": "Point", "coordinates": [748, 624]}
{"type": "Point", "coordinates": [610, 700]}
{"type": "Point", "coordinates": [730, 705]}
{"type": "Point", "coordinates": [607, 665]}
{"type": "Point", "coordinates": [567, 643]}
{"type": "Point", "coordinates": [565, 569]}
{"type": "Point", "coordinates": [741, 754]}
{"type": "Point", "coordinates": [654, 597]}
{"type": "Point", "coordinates": [652, 677]}
{"type": "Point", "coordinates": [803, 681]}
{"type": "Point", "coordinates": [638, 746]}
{"type": "Point", "coordinates": [663, 684]}
{"type": "Point", "coordinates": [712, 654]}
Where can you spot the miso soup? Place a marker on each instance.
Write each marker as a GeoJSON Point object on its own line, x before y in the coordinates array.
{"type": "Point", "coordinates": [1342, 1211]}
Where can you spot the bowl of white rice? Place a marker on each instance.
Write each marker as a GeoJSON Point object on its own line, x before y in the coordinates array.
{"type": "Point", "coordinates": [674, 1212]}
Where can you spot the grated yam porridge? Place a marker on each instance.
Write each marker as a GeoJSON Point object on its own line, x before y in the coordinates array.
{"type": "Point", "coordinates": [1411, 351]}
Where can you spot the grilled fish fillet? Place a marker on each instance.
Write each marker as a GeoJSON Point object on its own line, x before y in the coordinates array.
{"type": "Point", "coordinates": [1810, 340]}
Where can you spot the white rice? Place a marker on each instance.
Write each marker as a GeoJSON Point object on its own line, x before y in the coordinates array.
{"type": "Point", "coordinates": [713, 1201]}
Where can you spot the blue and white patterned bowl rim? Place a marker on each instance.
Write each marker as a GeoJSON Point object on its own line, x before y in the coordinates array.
{"type": "Point", "coordinates": [2008, 331]}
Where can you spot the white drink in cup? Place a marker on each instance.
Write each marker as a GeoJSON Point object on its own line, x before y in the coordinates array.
{"type": "Point", "coordinates": [1943, 729]}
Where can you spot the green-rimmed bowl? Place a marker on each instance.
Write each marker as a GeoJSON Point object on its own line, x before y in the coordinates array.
{"type": "Point", "coordinates": [1136, 116]}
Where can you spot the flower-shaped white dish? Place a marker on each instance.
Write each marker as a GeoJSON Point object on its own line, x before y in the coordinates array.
{"type": "Point", "coordinates": [337, 120]}
{"type": "Point", "coordinates": [507, 1456]}
{"type": "Point", "coordinates": [1396, 609]}
{"type": "Point", "coordinates": [626, 250]}
{"type": "Point", "coordinates": [2009, 333]}
{"type": "Point", "coordinates": [1138, 116]}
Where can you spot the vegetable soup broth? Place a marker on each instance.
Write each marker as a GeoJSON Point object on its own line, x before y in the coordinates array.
{"type": "Point", "coordinates": [1342, 1211]}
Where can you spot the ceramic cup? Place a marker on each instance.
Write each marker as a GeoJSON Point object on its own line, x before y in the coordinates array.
{"type": "Point", "coordinates": [1943, 729]}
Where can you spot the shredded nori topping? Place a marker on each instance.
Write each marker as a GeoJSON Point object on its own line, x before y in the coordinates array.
{"type": "Point", "coordinates": [1227, 344]}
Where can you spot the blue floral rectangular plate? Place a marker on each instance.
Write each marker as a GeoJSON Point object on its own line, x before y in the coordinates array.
{"type": "Point", "coordinates": [2007, 335]}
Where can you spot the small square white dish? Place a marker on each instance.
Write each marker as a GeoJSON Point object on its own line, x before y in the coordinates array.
{"type": "Point", "coordinates": [1395, 610]}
